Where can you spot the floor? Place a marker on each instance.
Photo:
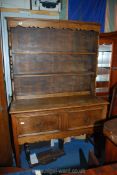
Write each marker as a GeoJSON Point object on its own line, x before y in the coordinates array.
{"type": "Point", "coordinates": [76, 155]}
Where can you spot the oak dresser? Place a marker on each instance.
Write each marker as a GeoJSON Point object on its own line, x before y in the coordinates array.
{"type": "Point", "coordinates": [53, 71]}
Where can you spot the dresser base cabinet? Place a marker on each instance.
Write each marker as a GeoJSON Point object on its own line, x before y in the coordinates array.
{"type": "Point", "coordinates": [50, 118]}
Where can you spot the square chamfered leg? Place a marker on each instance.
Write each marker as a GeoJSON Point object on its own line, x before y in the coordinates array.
{"type": "Point", "coordinates": [15, 138]}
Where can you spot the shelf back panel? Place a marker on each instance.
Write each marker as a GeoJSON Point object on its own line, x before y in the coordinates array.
{"type": "Point", "coordinates": [48, 61]}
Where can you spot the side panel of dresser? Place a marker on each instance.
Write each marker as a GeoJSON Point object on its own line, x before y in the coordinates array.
{"type": "Point", "coordinates": [38, 126]}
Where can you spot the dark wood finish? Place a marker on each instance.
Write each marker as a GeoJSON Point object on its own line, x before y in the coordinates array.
{"type": "Point", "coordinates": [114, 109]}
{"type": "Point", "coordinates": [34, 86]}
{"type": "Point", "coordinates": [13, 170]}
{"type": "Point", "coordinates": [113, 77]}
{"type": "Point", "coordinates": [110, 131]}
{"type": "Point", "coordinates": [113, 100]}
{"type": "Point", "coordinates": [15, 139]}
{"type": "Point", "coordinates": [111, 38]}
{"type": "Point", "coordinates": [103, 170]}
{"type": "Point", "coordinates": [56, 115]}
{"type": "Point", "coordinates": [34, 35]}
{"type": "Point", "coordinates": [53, 69]}
{"type": "Point", "coordinates": [5, 145]}
{"type": "Point", "coordinates": [110, 152]}
{"type": "Point", "coordinates": [57, 63]}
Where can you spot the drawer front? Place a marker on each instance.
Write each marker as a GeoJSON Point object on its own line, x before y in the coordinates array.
{"type": "Point", "coordinates": [36, 124]}
{"type": "Point", "coordinates": [84, 118]}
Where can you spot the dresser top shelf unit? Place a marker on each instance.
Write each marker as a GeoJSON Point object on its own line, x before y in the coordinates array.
{"type": "Point", "coordinates": [51, 58]}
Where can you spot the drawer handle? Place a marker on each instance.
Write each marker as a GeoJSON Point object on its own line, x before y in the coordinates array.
{"type": "Point", "coordinates": [22, 123]}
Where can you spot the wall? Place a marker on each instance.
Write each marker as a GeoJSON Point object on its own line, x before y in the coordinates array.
{"type": "Point", "coordinates": [25, 4]}
{"type": "Point", "coordinates": [64, 11]}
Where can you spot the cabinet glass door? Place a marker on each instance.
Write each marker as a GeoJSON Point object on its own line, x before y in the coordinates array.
{"type": "Point", "coordinates": [103, 70]}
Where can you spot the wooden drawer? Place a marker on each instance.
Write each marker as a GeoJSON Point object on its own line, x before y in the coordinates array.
{"type": "Point", "coordinates": [84, 118]}
{"type": "Point", "coordinates": [29, 124]}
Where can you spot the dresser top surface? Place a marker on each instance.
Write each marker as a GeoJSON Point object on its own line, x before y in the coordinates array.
{"type": "Point", "coordinates": [51, 103]}
{"type": "Point", "coordinates": [43, 23]}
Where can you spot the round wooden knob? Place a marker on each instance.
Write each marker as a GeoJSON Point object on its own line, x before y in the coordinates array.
{"type": "Point", "coordinates": [110, 130]}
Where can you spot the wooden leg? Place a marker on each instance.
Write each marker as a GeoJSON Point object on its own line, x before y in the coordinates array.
{"type": "Point", "coordinates": [61, 144]}
{"type": "Point", "coordinates": [99, 145]}
{"type": "Point", "coordinates": [92, 160]}
{"type": "Point", "coordinates": [15, 139]}
{"type": "Point", "coordinates": [17, 154]}
{"type": "Point", "coordinates": [27, 152]}
{"type": "Point", "coordinates": [110, 152]}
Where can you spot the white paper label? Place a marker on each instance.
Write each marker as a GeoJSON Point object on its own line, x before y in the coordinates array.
{"type": "Point", "coordinates": [38, 172]}
{"type": "Point", "coordinates": [33, 159]}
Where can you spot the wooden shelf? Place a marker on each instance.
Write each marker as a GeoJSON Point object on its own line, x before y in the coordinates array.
{"type": "Point", "coordinates": [65, 94]}
{"type": "Point", "coordinates": [54, 74]}
{"type": "Point", "coordinates": [103, 70]}
{"type": "Point", "coordinates": [102, 84]}
{"type": "Point", "coordinates": [58, 53]}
